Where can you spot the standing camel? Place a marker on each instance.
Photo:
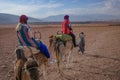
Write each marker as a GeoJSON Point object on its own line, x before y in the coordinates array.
{"type": "Point", "coordinates": [81, 44]}
{"type": "Point", "coordinates": [25, 52]}
{"type": "Point", "coordinates": [25, 68]}
{"type": "Point", "coordinates": [62, 45]}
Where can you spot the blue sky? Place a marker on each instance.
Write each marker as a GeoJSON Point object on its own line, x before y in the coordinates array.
{"type": "Point", "coordinates": [45, 8]}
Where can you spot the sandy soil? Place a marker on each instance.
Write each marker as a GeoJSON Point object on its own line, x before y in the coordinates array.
{"type": "Point", "coordinates": [101, 60]}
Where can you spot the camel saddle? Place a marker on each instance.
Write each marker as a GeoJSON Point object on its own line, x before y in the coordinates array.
{"type": "Point", "coordinates": [63, 37]}
{"type": "Point", "coordinates": [26, 52]}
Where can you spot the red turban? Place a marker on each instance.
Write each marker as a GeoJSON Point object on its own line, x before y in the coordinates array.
{"type": "Point", "coordinates": [23, 19]}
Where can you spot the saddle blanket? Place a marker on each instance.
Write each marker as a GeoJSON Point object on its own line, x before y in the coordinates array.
{"type": "Point", "coordinates": [27, 50]}
{"type": "Point", "coordinates": [63, 37]}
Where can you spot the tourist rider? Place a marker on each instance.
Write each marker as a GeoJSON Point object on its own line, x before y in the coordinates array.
{"type": "Point", "coordinates": [25, 37]}
{"type": "Point", "coordinates": [67, 29]}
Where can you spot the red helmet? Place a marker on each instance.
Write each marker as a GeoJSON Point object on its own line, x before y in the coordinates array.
{"type": "Point", "coordinates": [23, 19]}
{"type": "Point", "coordinates": [66, 17]}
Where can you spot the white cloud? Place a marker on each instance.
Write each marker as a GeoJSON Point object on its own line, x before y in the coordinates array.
{"type": "Point", "coordinates": [52, 8]}
{"type": "Point", "coordinates": [29, 10]}
{"type": "Point", "coordinates": [17, 9]}
{"type": "Point", "coordinates": [112, 6]}
{"type": "Point", "coordinates": [77, 11]}
{"type": "Point", "coordinates": [49, 5]}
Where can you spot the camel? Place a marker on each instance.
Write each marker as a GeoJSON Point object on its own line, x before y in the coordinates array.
{"type": "Point", "coordinates": [24, 52]}
{"type": "Point", "coordinates": [25, 69]}
{"type": "Point", "coordinates": [62, 45]}
{"type": "Point", "coordinates": [81, 44]}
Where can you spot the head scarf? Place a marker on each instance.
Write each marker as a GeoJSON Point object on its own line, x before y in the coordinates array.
{"type": "Point", "coordinates": [23, 19]}
{"type": "Point", "coordinates": [66, 17]}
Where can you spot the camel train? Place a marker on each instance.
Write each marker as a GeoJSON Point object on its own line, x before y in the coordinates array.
{"type": "Point", "coordinates": [31, 63]}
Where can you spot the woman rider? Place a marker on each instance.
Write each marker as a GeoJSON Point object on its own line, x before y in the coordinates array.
{"type": "Point", "coordinates": [25, 37]}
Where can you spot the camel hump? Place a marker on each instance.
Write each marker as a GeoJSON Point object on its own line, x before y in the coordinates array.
{"type": "Point", "coordinates": [34, 50]}
{"type": "Point", "coordinates": [27, 50]}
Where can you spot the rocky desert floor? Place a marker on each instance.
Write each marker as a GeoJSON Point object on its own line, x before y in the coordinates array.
{"type": "Point", "coordinates": [101, 60]}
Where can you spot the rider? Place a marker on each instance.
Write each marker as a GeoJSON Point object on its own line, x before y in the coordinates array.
{"type": "Point", "coordinates": [67, 29]}
{"type": "Point", "coordinates": [25, 37]}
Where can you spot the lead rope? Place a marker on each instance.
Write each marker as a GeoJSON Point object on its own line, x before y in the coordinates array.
{"type": "Point", "coordinates": [32, 53]}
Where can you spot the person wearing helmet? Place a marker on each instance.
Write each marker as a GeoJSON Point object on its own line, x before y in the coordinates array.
{"type": "Point", "coordinates": [67, 29]}
{"type": "Point", "coordinates": [25, 37]}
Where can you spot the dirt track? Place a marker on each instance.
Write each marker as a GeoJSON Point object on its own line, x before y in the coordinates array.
{"type": "Point", "coordinates": [101, 60]}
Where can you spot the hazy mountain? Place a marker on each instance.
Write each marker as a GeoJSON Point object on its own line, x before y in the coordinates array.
{"type": "Point", "coordinates": [11, 19]}
{"type": "Point", "coordinates": [89, 17]}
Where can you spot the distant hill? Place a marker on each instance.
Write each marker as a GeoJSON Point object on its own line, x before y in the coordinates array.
{"type": "Point", "coordinates": [13, 19]}
{"type": "Point", "coordinates": [81, 18]}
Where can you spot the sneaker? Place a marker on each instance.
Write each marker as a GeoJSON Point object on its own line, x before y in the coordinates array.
{"type": "Point", "coordinates": [52, 61]}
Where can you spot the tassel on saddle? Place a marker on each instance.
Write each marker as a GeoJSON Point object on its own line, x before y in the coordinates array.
{"type": "Point", "coordinates": [20, 54]}
{"type": "Point", "coordinates": [25, 52]}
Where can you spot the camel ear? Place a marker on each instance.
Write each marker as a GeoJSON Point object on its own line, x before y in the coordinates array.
{"type": "Point", "coordinates": [59, 32]}
{"type": "Point", "coordinates": [51, 36]}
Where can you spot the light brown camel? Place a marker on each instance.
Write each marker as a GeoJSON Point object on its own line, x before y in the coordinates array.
{"type": "Point", "coordinates": [25, 52]}
{"type": "Point", "coordinates": [26, 69]}
{"type": "Point", "coordinates": [62, 46]}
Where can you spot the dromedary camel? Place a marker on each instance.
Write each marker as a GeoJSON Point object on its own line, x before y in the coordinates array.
{"type": "Point", "coordinates": [62, 46]}
{"type": "Point", "coordinates": [25, 52]}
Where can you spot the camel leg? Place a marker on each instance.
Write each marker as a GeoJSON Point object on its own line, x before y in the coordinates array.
{"type": "Point", "coordinates": [69, 59]}
{"type": "Point", "coordinates": [17, 69]}
{"type": "Point", "coordinates": [44, 71]}
{"type": "Point", "coordinates": [58, 62]}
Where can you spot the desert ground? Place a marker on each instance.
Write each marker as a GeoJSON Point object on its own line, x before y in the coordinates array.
{"type": "Point", "coordinates": [101, 60]}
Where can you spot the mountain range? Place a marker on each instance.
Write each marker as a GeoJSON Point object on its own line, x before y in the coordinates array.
{"type": "Point", "coordinates": [13, 19]}
{"type": "Point", "coordinates": [83, 18]}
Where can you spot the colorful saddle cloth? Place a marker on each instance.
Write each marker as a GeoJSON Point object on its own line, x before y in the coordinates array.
{"type": "Point", "coordinates": [25, 52]}
{"type": "Point", "coordinates": [63, 37]}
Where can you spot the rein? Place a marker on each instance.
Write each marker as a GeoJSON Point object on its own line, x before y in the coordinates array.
{"type": "Point", "coordinates": [25, 70]}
